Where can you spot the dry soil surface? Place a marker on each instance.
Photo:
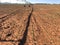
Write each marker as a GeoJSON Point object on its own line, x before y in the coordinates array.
{"type": "Point", "coordinates": [30, 25]}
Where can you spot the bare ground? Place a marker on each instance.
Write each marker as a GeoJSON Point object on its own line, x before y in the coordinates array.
{"type": "Point", "coordinates": [35, 25]}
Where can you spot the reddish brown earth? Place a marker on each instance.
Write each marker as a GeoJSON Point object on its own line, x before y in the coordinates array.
{"type": "Point", "coordinates": [34, 25]}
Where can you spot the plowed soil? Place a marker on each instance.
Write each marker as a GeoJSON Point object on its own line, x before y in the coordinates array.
{"type": "Point", "coordinates": [30, 25]}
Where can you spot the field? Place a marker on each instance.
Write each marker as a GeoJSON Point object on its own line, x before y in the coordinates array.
{"type": "Point", "coordinates": [29, 25]}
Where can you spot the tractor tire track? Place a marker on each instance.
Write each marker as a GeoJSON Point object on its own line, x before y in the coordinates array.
{"type": "Point", "coordinates": [53, 38]}
{"type": "Point", "coordinates": [2, 19]}
{"type": "Point", "coordinates": [50, 38]}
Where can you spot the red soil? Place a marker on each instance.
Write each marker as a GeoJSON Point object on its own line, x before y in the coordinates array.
{"type": "Point", "coordinates": [35, 25]}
